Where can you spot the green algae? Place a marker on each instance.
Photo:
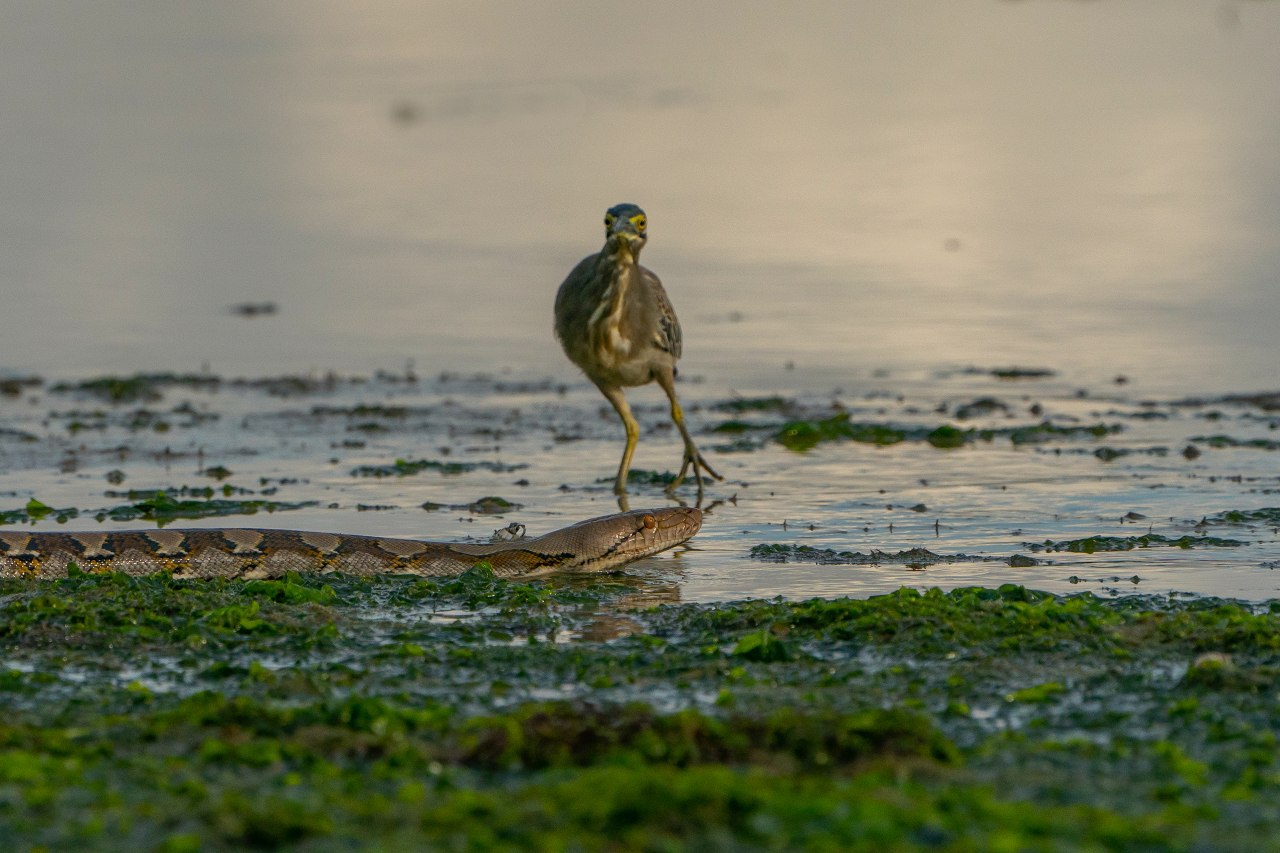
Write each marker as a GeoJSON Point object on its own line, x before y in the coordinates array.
{"type": "Point", "coordinates": [409, 467]}
{"type": "Point", "coordinates": [802, 435]}
{"type": "Point", "coordinates": [1268, 516]}
{"type": "Point", "coordinates": [1094, 544]}
{"type": "Point", "coordinates": [740, 445]}
{"type": "Point", "coordinates": [157, 505]}
{"type": "Point", "coordinates": [787, 553]}
{"type": "Point", "coordinates": [144, 387]}
{"type": "Point", "coordinates": [204, 492]}
{"type": "Point", "coordinates": [363, 410]}
{"type": "Point", "coordinates": [1230, 441]}
{"type": "Point", "coordinates": [1268, 401]}
{"type": "Point", "coordinates": [733, 427]}
{"type": "Point", "coordinates": [337, 712]}
{"type": "Point", "coordinates": [644, 477]}
{"type": "Point", "coordinates": [36, 510]}
{"type": "Point", "coordinates": [183, 416]}
{"type": "Point", "coordinates": [805, 434]}
{"type": "Point", "coordinates": [14, 386]}
{"type": "Point", "coordinates": [947, 436]}
{"type": "Point", "coordinates": [1039, 693]}
{"type": "Point", "coordinates": [1046, 431]}
{"type": "Point", "coordinates": [8, 434]}
{"type": "Point", "coordinates": [161, 508]}
{"type": "Point", "coordinates": [1022, 373]}
{"type": "Point", "coordinates": [489, 505]}
{"type": "Point", "coordinates": [1110, 454]}
{"type": "Point", "coordinates": [981, 407]}
{"type": "Point", "coordinates": [755, 404]}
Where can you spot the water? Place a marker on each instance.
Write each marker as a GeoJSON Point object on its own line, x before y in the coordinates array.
{"type": "Point", "coordinates": [852, 204]}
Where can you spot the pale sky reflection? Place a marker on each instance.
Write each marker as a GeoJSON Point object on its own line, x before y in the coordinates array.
{"type": "Point", "coordinates": [868, 185]}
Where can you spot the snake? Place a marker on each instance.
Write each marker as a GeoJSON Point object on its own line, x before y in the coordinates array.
{"type": "Point", "coordinates": [595, 545]}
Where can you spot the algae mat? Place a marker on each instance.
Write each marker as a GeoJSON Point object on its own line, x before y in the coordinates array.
{"type": "Point", "coordinates": [483, 714]}
{"type": "Point", "coordinates": [905, 690]}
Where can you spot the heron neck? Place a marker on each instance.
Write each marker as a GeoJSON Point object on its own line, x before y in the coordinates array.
{"type": "Point", "coordinates": [616, 266]}
{"type": "Point", "coordinates": [615, 272]}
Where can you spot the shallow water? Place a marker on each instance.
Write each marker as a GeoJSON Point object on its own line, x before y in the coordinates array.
{"type": "Point", "coordinates": [552, 449]}
{"type": "Point", "coordinates": [852, 206]}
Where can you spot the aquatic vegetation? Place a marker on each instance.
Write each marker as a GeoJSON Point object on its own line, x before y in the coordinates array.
{"type": "Point", "coordinates": [491, 505]}
{"type": "Point", "coordinates": [643, 477]}
{"type": "Point", "coordinates": [1093, 544]}
{"type": "Point", "coordinates": [409, 467]}
{"type": "Point", "coordinates": [296, 386]}
{"type": "Point", "coordinates": [405, 712]}
{"type": "Point", "coordinates": [1110, 454]}
{"type": "Point", "coordinates": [1046, 431]}
{"type": "Point", "coordinates": [13, 386]}
{"type": "Point", "coordinates": [1268, 516]}
{"type": "Point", "coordinates": [740, 445]}
{"type": "Point", "coordinates": [1229, 441]}
{"type": "Point", "coordinates": [781, 553]}
{"type": "Point", "coordinates": [144, 387]}
{"type": "Point", "coordinates": [363, 410]}
{"type": "Point", "coordinates": [947, 436]}
{"type": "Point", "coordinates": [332, 712]}
{"type": "Point", "coordinates": [755, 404]}
{"type": "Point", "coordinates": [1039, 693]}
{"type": "Point", "coordinates": [803, 435]}
{"type": "Point", "coordinates": [1022, 373]}
{"type": "Point", "coordinates": [161, 508]}
{"type": "Point", "coordinates": [1267, 401]}
{"type": "Point", "coordinates": [734, 427]}
{"type": "Point", "coordinates": [981, 407]}
{"type": "Point", "coordinates": [36, 510]}
{"type": "Point", "coordinates": [157, 506]}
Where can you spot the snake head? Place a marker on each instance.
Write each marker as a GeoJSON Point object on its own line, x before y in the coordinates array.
{"type": "Point", "coordinates": [606, 543]}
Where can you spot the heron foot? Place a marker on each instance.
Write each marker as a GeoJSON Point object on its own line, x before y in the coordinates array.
{"type": "Point", "coordinates": [694, 459]}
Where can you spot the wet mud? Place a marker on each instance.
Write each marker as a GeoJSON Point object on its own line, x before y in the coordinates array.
{"type": "Point", "coordinates": [873, 642]}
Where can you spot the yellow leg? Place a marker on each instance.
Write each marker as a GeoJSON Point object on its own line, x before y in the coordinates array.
{"type": "Point", "coordinates": [614, 395]}
{"type": "Point", "coordinates": [692, 457]}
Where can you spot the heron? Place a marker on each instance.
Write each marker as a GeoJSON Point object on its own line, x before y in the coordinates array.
{"type": "Point", "coordinates": [615, 322]}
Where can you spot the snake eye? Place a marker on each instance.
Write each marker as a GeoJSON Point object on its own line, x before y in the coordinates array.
{"type": "Point", "coordinates": [650, 523]}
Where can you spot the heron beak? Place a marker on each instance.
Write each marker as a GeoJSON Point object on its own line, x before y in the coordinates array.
{"type": "Point", "coordinates": [627, 237]}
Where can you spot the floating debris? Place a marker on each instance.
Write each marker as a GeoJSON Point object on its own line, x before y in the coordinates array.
{"type": "Point", "coordinates": [254, 309]}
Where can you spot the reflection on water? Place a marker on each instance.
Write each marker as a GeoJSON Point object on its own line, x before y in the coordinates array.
{"type": "Point", "coordinates": [858, 186]}
{"type": "Point", "coordinates": [849, 204]}
{"type": "Point", "coordinates": [1088, 462]}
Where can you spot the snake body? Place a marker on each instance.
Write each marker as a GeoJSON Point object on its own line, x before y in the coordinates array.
{"type": "Point", "coordinates": [595, 545]}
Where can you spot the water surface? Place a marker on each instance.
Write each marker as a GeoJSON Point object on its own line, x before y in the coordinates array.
{"type": "Point", "coordinates": [851, 205]}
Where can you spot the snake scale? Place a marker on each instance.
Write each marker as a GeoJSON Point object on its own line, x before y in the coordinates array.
{"type": "Point", "coordinates": [595, 545]}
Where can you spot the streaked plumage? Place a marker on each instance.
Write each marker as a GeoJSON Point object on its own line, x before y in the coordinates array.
{"type": "Point", "coordinates": [616, 323]}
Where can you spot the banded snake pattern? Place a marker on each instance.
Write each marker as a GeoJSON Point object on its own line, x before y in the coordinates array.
{"type": "Point", "coordinates": [596, 545]}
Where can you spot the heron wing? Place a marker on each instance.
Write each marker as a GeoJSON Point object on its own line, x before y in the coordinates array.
{"type": "Point", "coordinates": [667, 334]}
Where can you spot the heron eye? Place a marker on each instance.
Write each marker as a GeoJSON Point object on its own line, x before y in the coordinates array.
{"type": "Point", "coordinates": [640, 223]}
{"type": "Point", "coordinates": [608, 220]}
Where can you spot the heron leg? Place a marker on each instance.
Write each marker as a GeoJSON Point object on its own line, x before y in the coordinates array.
{"type": "Point", "coordinates": [613, 394]}
{"type": "Point", "coordinates": [693, 458]}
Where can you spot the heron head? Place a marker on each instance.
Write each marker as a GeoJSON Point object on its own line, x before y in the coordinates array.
{"type": "Point", "coordinates": [625, 224]}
